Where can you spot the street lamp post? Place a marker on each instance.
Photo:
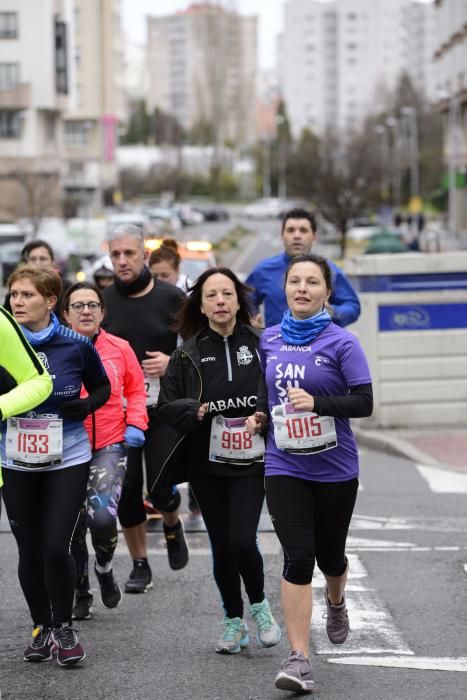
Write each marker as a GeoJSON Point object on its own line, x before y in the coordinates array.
{"type": "Point", "coordinates": [411, 114]}
{"type": "Point", "coordinates": [393, 124]}
{"type": "Point", "coordinates": [282, 157]}
{"type": "Point", "coordinates": [382, 132]}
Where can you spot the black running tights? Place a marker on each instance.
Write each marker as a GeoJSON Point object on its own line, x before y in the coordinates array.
{"type": "Point", "coordinates": [231, 508]}
{"type": "Point", "coordinates": [43, 509]}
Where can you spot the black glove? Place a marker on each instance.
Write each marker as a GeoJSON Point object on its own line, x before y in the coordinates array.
{"type": "Point", "coordinates": [77, 409]}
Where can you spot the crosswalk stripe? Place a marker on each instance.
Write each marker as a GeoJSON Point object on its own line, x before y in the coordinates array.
{"type": "Point", "coordinates": [373, 628]}
{"type": "Point", "coordinates": [443, 480]}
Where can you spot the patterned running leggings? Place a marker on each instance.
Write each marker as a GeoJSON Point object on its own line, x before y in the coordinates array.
{"type": "Point", "coordinates": [99, 512]}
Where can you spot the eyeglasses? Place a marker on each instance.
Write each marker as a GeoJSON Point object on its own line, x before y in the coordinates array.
{"type": "Point", "coordinates": [79, 306]}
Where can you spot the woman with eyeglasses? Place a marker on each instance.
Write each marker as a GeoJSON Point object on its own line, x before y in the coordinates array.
{"type": "Point", "coordinates": [46, 457]}
{"type": "Point", "coordinates": [111, 429]}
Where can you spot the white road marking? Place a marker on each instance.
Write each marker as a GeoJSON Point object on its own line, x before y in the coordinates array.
{"type": "Point", "coordinates": [422, 663]}
{"type": "Point", "coordinates": [465, 568]}
{"type": "Point", "coordinates": [245, 255]}
{"type": "Point", "coordinates": [443, 480]}
{"type": "Point", "coordinates": [373, 628]}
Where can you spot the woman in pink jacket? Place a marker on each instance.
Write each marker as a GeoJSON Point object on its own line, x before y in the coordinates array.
{"type": "Point", "coordinates": [119, 424]}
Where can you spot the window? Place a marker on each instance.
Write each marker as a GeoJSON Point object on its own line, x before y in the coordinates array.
{"type": "Point", "coordinates": [10, 125]}
{"type": "Point", "coordinates": [9, 75]}
{"type": "Point", "coordinates": [8, 25]}
{"type": "Point", "coordinates": [61, 65]}
{"type": "Point", "coordinates": [76, 133]}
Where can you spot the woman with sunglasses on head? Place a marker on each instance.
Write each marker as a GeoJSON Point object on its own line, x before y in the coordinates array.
{"type": "Point", "coordinates": [46, 464]}
{"type": "Point", "coordinates": [110, 429]}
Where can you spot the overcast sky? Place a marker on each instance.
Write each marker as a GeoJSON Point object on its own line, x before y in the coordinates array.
{"type": "Point", "coordinates": [270, 14]}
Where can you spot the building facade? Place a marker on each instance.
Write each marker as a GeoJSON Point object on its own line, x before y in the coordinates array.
{"type": "Point", "coordinates": [341, 59]}
{"type": "Point", "coordinates": [34, 92]}
{"type": "Point", "coordinates": [90, 128]}
{"type": "Point", "coordinates": [202, 70]}
{"type": "Point", "coordinates": [450, 69]}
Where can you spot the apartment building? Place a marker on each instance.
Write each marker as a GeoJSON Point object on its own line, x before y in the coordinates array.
{"type": "Point", "coordinates": [34, 92]}
{"type": "Point", "coordinates": [340, 59]}
{"type": "Point", "coordinates": [420, 36]}
{"type": "Point", "coordinates": [202, 69]}
{"type": "Point", "coordinates": [450, 68]}
{"type": "Point", "coordinates": [90, 129]}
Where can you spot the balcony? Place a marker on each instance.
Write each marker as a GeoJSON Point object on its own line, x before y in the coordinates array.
{"type": "Point", "coordinates": [18, 97]}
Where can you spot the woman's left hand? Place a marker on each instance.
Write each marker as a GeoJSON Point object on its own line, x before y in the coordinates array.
{"type": "Point", "coordinates": [300, 399]}
{"type": "Point", "coordinates": [256, 423]}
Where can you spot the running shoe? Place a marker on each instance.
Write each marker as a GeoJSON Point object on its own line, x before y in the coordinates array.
{"type": "Point", "coordinates": [269, 633]}
{"type": "Point", "coordinates": [140, 579]}
{"type": "Point", "coordinates": [111, 594]}
{"type": "Point", "coordinates": [295, 674]}
{"type": "Point", "coordinates": [337, 620]}
{"type": "Point", "coordinates": [69, 650]}
{"type": "Point", "coordinates": [177, 548]}
{"type": "Point", "coordinates": [42, 647]}
{"type": "Point", "coordinates": [235, 636]}
{"type": "Point", "coordinates": [82, 607]}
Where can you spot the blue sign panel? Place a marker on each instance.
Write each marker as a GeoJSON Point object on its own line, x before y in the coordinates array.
{"type": "Point", "coordinates": [422, 317]}
{"type": "Point", "coordinates": [410, 283]}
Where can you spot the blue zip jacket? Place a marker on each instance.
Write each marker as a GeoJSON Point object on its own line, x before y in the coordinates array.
{"type": "Point", "coordinates": [267, 280]}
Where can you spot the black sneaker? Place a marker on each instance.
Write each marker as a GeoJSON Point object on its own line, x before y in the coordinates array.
{"type": "Point", "coordinates": [140, 579]}
{"type": "Point", "coordinates": [42, 647]}
{"type": "Point", "coordinates": [111, 594]}
{"type": "Point", "coordinates": [177, 548]}
{"type": "Point", "coordinates": [82, 607]}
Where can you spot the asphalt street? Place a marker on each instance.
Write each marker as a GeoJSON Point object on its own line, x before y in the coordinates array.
{"type": "Point", "coordinates": [407, 597]}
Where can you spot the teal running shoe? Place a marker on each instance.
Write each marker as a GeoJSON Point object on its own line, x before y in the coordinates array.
{"type": "Point", "coordinates": [235, 636]}
{"type": "Point", "coordinates": [269, 633]}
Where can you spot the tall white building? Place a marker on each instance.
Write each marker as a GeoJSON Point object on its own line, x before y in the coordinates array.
{"type": "Point", "coordinates": [202, 69]}
{"type": "Point", "coordinates": [34, 92]}
{"type": "Point", "coordinates": [98, 105]}
{"type": "Point", "coordinates": [420, 38]}
{"type": "Point", "coordinates": [340, 59]}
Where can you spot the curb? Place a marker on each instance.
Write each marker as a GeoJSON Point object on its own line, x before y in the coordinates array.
{"type": "Point", "coordinates": [399, 448]}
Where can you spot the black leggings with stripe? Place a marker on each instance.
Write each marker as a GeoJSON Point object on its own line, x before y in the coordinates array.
{"type": "Point", "coordinates": [43, 509]}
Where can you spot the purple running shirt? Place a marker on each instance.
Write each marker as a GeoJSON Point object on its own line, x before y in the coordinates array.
{"type": "Point", "coordinates": [332, 363]}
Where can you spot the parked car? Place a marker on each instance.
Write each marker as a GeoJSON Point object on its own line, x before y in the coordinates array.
{"type": "Point", "coordinates": [9, 257]}
{"type": "Point", "coordinates": [188, 215]}
{"type": "Point", "coordinates": [165, 218]}
{"type": "Point", "coordinates": [265, 208]}
{"type": "Point", "coordinates": [212, 211]}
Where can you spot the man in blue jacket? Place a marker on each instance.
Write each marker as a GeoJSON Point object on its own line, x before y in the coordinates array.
{"type": "Point", "coordinates": [267, 278]}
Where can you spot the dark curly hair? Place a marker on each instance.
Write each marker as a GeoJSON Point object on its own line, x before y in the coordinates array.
{"type": "Point", "coordinates": [190, 320]}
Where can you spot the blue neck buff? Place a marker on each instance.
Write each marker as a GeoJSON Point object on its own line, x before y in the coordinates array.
{"type": "Point", "coordinates": [298, 332]}
{"type": "Point", "coordinates": [41, 337]}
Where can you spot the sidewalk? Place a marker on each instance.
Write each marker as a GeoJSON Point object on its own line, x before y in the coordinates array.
{"type": "Point", "coordinates": [444, 447]}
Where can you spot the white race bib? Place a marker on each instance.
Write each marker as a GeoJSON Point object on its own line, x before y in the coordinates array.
{"type": "Point", "coordinates": [34, 442]}
{"type": "Point", "coordinates": [152, 387]}
{"type": "Point", "coordinates": [231, 443]}
{"type": "Point", "coordinates": [302, 432]}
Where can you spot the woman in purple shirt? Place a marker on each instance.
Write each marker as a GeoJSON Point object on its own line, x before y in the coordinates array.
{"type": "Point", "coordinates": [317, 378]}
